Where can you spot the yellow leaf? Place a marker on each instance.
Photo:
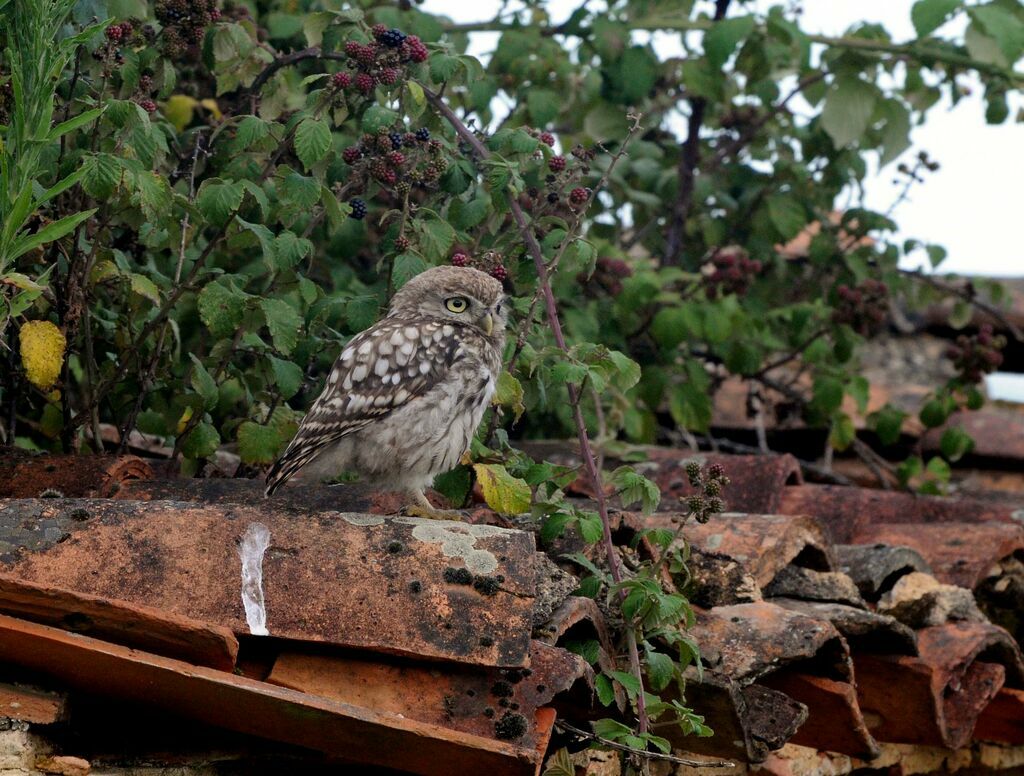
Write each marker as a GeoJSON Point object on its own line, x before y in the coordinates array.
{"type": "Point", "coordinates": [186, 416]}
{"type": "Point", "coordinates": [503, 493]}
{"type": "Point", "coordinates": [42, 353]}
{"type": "Point", "coordinates": [509, 394]}
{"type": "Point", "coordinates": [179, 109]}
{"type": "Point", "coordinates": [211, 105]}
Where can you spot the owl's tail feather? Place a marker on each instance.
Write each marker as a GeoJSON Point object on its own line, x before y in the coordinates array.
{"type": "Point", "coordinates": [294, 458]}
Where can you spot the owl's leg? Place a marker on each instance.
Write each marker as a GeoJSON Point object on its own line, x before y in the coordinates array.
{"type": "Point", "coordinates": [423, 508]}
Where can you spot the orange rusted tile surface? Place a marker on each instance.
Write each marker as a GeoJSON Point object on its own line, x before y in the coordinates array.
{"type": "Point", "coordinates": [224, 700]}
{"type": "Point", "coordinates": [1003, 719]}
{"type": "Point", "coordinates": [958, 553]}
{"type": "Point", "coordinates": [748, 641]}
{"type": "Point", "coordinates": [30, 704]}
{"type": "Point", "coordinates": [937, 698]}
{"type": "Point", "coordinates": [424, 588]}
{"type": "Point", "coordinates": [996, 435]}
{"type": "Point", "coordinates": [153, 630]}
{"type": "Point", "coordinates": [834, 722]}
{"type": "Point", "coordinates": [847, 511]}
{"type": "Point", "coordinates": [493, 703]}
{"type": "Point", "coordinates": [763, 544]}
{"type": "Point", "coordinates": [25, 475]}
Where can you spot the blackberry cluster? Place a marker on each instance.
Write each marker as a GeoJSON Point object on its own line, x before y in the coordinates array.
{"type": "Point", "coordinates": [709, 484]}
{"type": "Point", "coordinates": [606, 278]}
{"type": "Point", "coordinates": [864, 308]}
{"type": "Point", "coordinates": [117, 35]}
{"type": "Point", "coordinates": [730, 272]}
{"type": "Point", "coordinates": [976, 356]}
{"type": "Point", "coordinates": [382, 61]}
{"type": "Point", "coordinates": [381, 156]}
{"type": "Point", "coordinates": [491, 262]}
{"type": "Point", "coordinates": [185, 23]}
{"type": "Point", "coordinates": [117, 32]}
{"type": "Point", "coordinates": [358, 209]}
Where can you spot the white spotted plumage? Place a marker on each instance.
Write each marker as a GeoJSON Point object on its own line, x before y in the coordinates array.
{"type": "Point", "coordinates": [405, 396]}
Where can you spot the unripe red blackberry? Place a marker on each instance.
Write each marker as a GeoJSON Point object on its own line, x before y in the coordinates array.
{"type": "Point", "coordinates": [341, 80]}
{"type": "Point", "coordinates": [126, 28]}
{"type": "Point", "coordinates": [579, 195]}
{"type": "Point", "coordinates": [414, 49]}
{"type": "Point", "coordinates": [408, 139]}
{"type": "Point", "coordinates": [389, 76]}
{"type": "Point", "coordinates": [351, 154]}
{"type": "Point", "coordinates": [547, 139]}
{"type": "Point", "coordinates": [364, 83]}
{"type": "Point", "coordinates": [402, 243]}
{"type": "Point", "coordinates": [378, 30]}
{"type": "Point", "coordinates": [367, 54]}
{"type": "Point", "coordinates": [499, 273]}
{"type": "Point", "coordinates": [148, 105]}
{"type": "Point", "coordinates": [352, 48]}
{"type": "Point", "coordinates": [396, 158]}
{"type": "Point", "coordinates": [146, 83]}
{"type": "Point", "coordinates": [114, 32]}
{"type": "Point", "coordinates": [390, 177]}
{"type": "Point", "coordinates": [460, 260]}
{"type": "Point", "coordinates": [716, 471]}
{"type": "Point", "coordinates": [556, 163]}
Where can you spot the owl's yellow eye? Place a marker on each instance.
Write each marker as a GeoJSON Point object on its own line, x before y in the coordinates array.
{"type": "Point", "coordinates": [456, 304]}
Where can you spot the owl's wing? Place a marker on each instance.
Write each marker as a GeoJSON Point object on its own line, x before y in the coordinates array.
{"type": "Point", "coordinates": [380, 370]}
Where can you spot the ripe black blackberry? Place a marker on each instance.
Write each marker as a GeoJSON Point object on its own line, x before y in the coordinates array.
{"type": "Point", "coordinates": [423, 134]}
{"type": "Point", "coordinates": [358, 209]}
{"type": "Point", "coordinates": [396, 140]}
{"type": "Point", "coordinates": [393, 38]}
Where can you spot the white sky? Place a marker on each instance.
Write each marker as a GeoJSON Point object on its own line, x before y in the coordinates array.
{"type": "Point", "coordinates": [973, 205]}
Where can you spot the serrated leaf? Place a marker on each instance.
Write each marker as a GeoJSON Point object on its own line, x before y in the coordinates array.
{"type": "Point", "coordinates": [628, 681]}
{"type": "Point", "coordinates": [312, 141]}
{"type": "Point", "coordinates": [377, 117]}
{"type": "Point", "coordinates": [509, 393]}
{"type": "Point", "coordinates": [102, 174]}
{"type": "Point", "coordinates": [543, 105]}
{"type": "Point", "coordinates": [202, 382]}
{"type": "Point", "coordinates": [217, 199]}
{"type": "Point", "coordinates": [849, 104]}
{"type": "Point", "coordinates": [284, 323]}
{"type": "Point", "coordinates": [145, 287]}
{"type": "Point", "coordinates": [313, 26]}
{"type": "Point", "coordinates": [660, 670]}
{"type": "Point", "coordinates": [288, 377]}
{"type": "Point", "coordinates": [723, 37]}
{"type": "Point", "coordinates": [361, 311]}
{"type": "Point", "coordinates": [251, 129]}
{"type": "Point", "coordinates": [505, 494]}
{"type": "Point", "coordinates": [201, 442]}
{"type": "Point", "coordinates": [466, 215]}
{"type": "Point", "coordinates": [258, 444]}
{"type": "Point", "coordinates": [299, 193]}
{"type": "Point", "coordinates": [442, 67]}
{"type": "Point", "coordinates": [407, 266]}
{"type": "Point", "coordinates": [290, 249]}
{"type": "Point", "coordinates": [605, 690]}
{"type": "Point", "coordinates": [221, 308]}
{"type": "Point", "coordinates": [435, 238]}
{"type": "Point", "coordinates": [787, 215]}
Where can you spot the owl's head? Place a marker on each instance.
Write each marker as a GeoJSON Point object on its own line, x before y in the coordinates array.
{"type": "Point", "coordinates": [460, 294]}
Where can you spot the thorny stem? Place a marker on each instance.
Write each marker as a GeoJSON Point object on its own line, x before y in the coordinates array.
{"type": "Point", "coordinates": [583, 437]}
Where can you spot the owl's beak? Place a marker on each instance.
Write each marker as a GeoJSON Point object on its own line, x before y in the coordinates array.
{"type": "Point", "coordinates": [488, 323]}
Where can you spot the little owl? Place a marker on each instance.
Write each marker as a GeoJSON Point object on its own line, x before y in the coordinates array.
{"type": "Point", "coordinates": [405, 396]}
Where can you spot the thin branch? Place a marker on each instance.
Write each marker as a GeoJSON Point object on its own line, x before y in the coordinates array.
{"type": "Point", "coordinates": [968, 294]}
{"type": "Point", "coordinates": [669, 758]}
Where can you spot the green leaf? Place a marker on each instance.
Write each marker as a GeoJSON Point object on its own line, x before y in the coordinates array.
{"type": "Point", "coordinates": [590, 526]}
{"type": "Point", "coordinates": [787, 215]}
{"type": "Point", "coordinates": [145, 287]}
{"type": "Point", "coordinates": [605, 690]}
{"type": "Point", "coordinates": [896, 133]}
{"type": "Point", "coordinates": [221, 308]}
{"type": "Point", "coordinates": [466, 215]}
{"type": "Point", "coordinates": [312, 141]}
{"type": "Point", "coordinates": [828, 394]}
{"type": "Point", "coordinates": [201, 442]}
{"type": "Point", "coordinates": [509, 393]}
{"type": "Point", "coordinates": [849, 104]}
{"type": "Point", "coordinates": [660, 670]}
{"type": "Point", "coordinates": [407, 266]}
{"type": "Point", "coordinates": [299, 193]}
{"type": "Point", "coordinates": [933, 414]}
{"type": "Point", "coordinates": [102, 174]}
{"type": "Point", "coordinates": [435, 238]}
{"type": "Point", "coordinates": [377, 117]}
{"type": "Point", "coordinates": [290, 249]}
{"type": "Point", "coordinates": [929, 15]}
{"type": "Point", "coordinates": [888, 423]}
{"type": "Point", "coordinates": [202, 382]}
{"type": "Point", "coordinates": [251, 129]}
{"type": "Point", "coordinates": [442, 67]}
{"type": "Point", "coordinates": [288, 377]}
{"type": "Point", "coordinates": [74, 123]}
{"type": "Point", "coordinates": [361, 311]}
{"type": "Point", "coordinates": [49, 233]}
{"type": "Point", "coordinates": [628, 681]}
{"type": "Point", "coordinates": [505, 494]}
{"type": "Point", "coordinates": [723, 36]}
{"type": "Point", "coordinates": [842, 433]}
{"type": "Point", "coordinates": [455, 485]}
{"type": "Point", "coordinates": [543, 105]}
{"type": "Point", "coordinates": [314, 25]}
{"type": "Point", "coordinates": [218, 199]}
{"type": "Point", "coordinates": [955, 443]}
{"type": "Point", "coordinates": [258, 444]}
{"type": "Point", "coordinates": [284, 323]}
{"type": "Point", "coordinates": [634, 488]}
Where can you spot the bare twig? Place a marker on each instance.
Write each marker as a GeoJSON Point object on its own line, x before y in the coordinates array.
{"type": "Point", "coordinates": [968, 294]}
